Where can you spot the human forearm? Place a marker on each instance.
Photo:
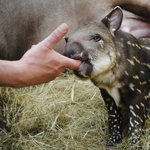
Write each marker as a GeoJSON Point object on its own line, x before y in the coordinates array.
{"type": "Point", "coordinates": [34, 68]}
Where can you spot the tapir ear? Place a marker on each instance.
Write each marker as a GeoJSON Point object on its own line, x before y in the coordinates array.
{"type": "Point", "coordinates": [66, 39]}
{"type": "Point", "coordinates": [114, 19]}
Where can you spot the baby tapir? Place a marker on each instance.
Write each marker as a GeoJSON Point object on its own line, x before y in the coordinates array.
{"type": "Point", "coordinates": [119, 64]}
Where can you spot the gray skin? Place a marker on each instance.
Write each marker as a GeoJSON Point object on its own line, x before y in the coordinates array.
{"type": "Point", "coordinates": [27, 22]}
{"type": "Point", "coordinates": [119, 64]}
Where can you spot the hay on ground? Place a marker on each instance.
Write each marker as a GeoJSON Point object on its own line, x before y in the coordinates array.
{"type": "Point", "coordinates": [65, 114]}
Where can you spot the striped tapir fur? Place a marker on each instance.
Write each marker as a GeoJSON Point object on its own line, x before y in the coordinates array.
{"type": "Point", "coordinates": [119, 64]}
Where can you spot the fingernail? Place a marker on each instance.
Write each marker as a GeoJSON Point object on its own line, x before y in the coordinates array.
{"type": "Point", "coordinates": [63, 28]}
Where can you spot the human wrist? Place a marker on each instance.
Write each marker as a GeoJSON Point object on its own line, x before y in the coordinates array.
{"type": "Point", "coordinates": [10, 73]}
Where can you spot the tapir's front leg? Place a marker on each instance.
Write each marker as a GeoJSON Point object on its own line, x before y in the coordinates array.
{"type": "Point", "coordinates": [114, 118]}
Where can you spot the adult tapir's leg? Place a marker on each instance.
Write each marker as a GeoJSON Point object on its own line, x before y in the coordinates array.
{"type": "Point", "coordinates": [114, 119]}
{"type": "Point", "coordinates": [137, 108]}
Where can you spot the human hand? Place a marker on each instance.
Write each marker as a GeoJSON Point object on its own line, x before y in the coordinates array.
{"type": "Point", "coordinates": [42, 64]}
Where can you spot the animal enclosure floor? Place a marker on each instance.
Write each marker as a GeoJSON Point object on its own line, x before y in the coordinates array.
{"type": "Point", "coordinates": [64, 114]}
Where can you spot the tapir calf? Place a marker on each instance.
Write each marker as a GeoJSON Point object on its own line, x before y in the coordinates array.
{"type": "Point", "coordinates": [119, 64]}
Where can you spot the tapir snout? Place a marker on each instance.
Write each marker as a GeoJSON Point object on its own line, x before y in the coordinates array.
{"type": "Point", "coordinates": [73, 50]}
{"type": "Point", "coordinates": [76, 51]}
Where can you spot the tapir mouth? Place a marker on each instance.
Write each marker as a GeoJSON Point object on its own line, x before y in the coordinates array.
{"type": "Point", "coordinates": [85, 69]}
{"type": "Point", "coordinates": [77, 57]}
{"type": "Point", "coordinates": [83, 56]}
{"type": "Point", "coordinates": [76, 51]}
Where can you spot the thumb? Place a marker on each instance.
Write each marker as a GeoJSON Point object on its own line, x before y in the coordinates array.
{"type": "Point", "coordinates": [55, 36]}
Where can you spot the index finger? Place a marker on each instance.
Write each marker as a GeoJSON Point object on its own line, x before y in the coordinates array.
{"type": "Point", "coordinates": [55, 36]}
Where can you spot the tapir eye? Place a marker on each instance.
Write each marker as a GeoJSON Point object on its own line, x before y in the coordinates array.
{"type": "Point", "coordinates": [97, 38]}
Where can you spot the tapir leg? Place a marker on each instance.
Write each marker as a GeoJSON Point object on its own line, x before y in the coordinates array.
{"type": "Point", "coordinates": [114, 118]}
{"type": "Point", "coordinates": [137, 109]}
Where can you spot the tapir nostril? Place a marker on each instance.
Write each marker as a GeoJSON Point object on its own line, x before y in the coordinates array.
{"type": "Point", "coordinates": [66, 39]}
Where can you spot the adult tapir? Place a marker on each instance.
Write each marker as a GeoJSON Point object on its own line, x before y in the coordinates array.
{"type": "Point", "coordinates": [26, 22]}
{"type": "Point", "coordinates": [119, 64]}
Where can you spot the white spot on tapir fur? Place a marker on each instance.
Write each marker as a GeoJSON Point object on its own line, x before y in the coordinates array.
{"type": "Point", "coordinates": [137, 106]}
{"type": "Point", "coordinates": [112, 115]}
{"type": "Point", "coordinates": [101, 43]}
{"type": "Point", "coordinates": [148, 96]}
{"type": "Point", "coordinates": [142, 105]}
{"type": "Point", "coordinates": [131, 107]}
{"type": "Point", "coordinates": [131, 62]}
{"type": "Point", "coordinates": [136, 122]}
{"type": "Point", "coordinates": [137, 46]}
{"type": "Point", "coordinates": [126, 73]}
{"type": "Point", "coordinates": [140, 118]}
{"type": "Point", "coordinates": [142, 83]}
{"type": "Point", "coordinates": [133, 113]}
{"type": "Point", "coordinates": [131, 86]}
{"type": "Point", "coordinates": [138, 90]}
{"type": "Point", "coordinates": [148, 48]}
{"type": "Point", "coordinates": [131, 123]}
{"type": "Point", "coordinates": [128, 42]}
{"type": "Point", "coordinates": [146, 64]}
{"type": "Point", "coordinates": [115, 112]}
{"type": "Point", "coordinates": [136, 59]}
{"type": "Point", "coordinates": [121, 44]}
{"type": "Point", "coordinates": [135, 77]}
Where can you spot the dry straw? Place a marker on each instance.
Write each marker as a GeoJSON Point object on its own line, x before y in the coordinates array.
{"type": "Point", "coordinates": [65, 114]}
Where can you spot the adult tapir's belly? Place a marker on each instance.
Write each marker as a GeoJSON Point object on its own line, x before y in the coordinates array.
{"type": "Point", "coordinates": [24, 23]}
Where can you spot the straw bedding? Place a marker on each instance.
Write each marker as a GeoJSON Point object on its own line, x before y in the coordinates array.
{"type": "Point", "coordinates": [64, 114]}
